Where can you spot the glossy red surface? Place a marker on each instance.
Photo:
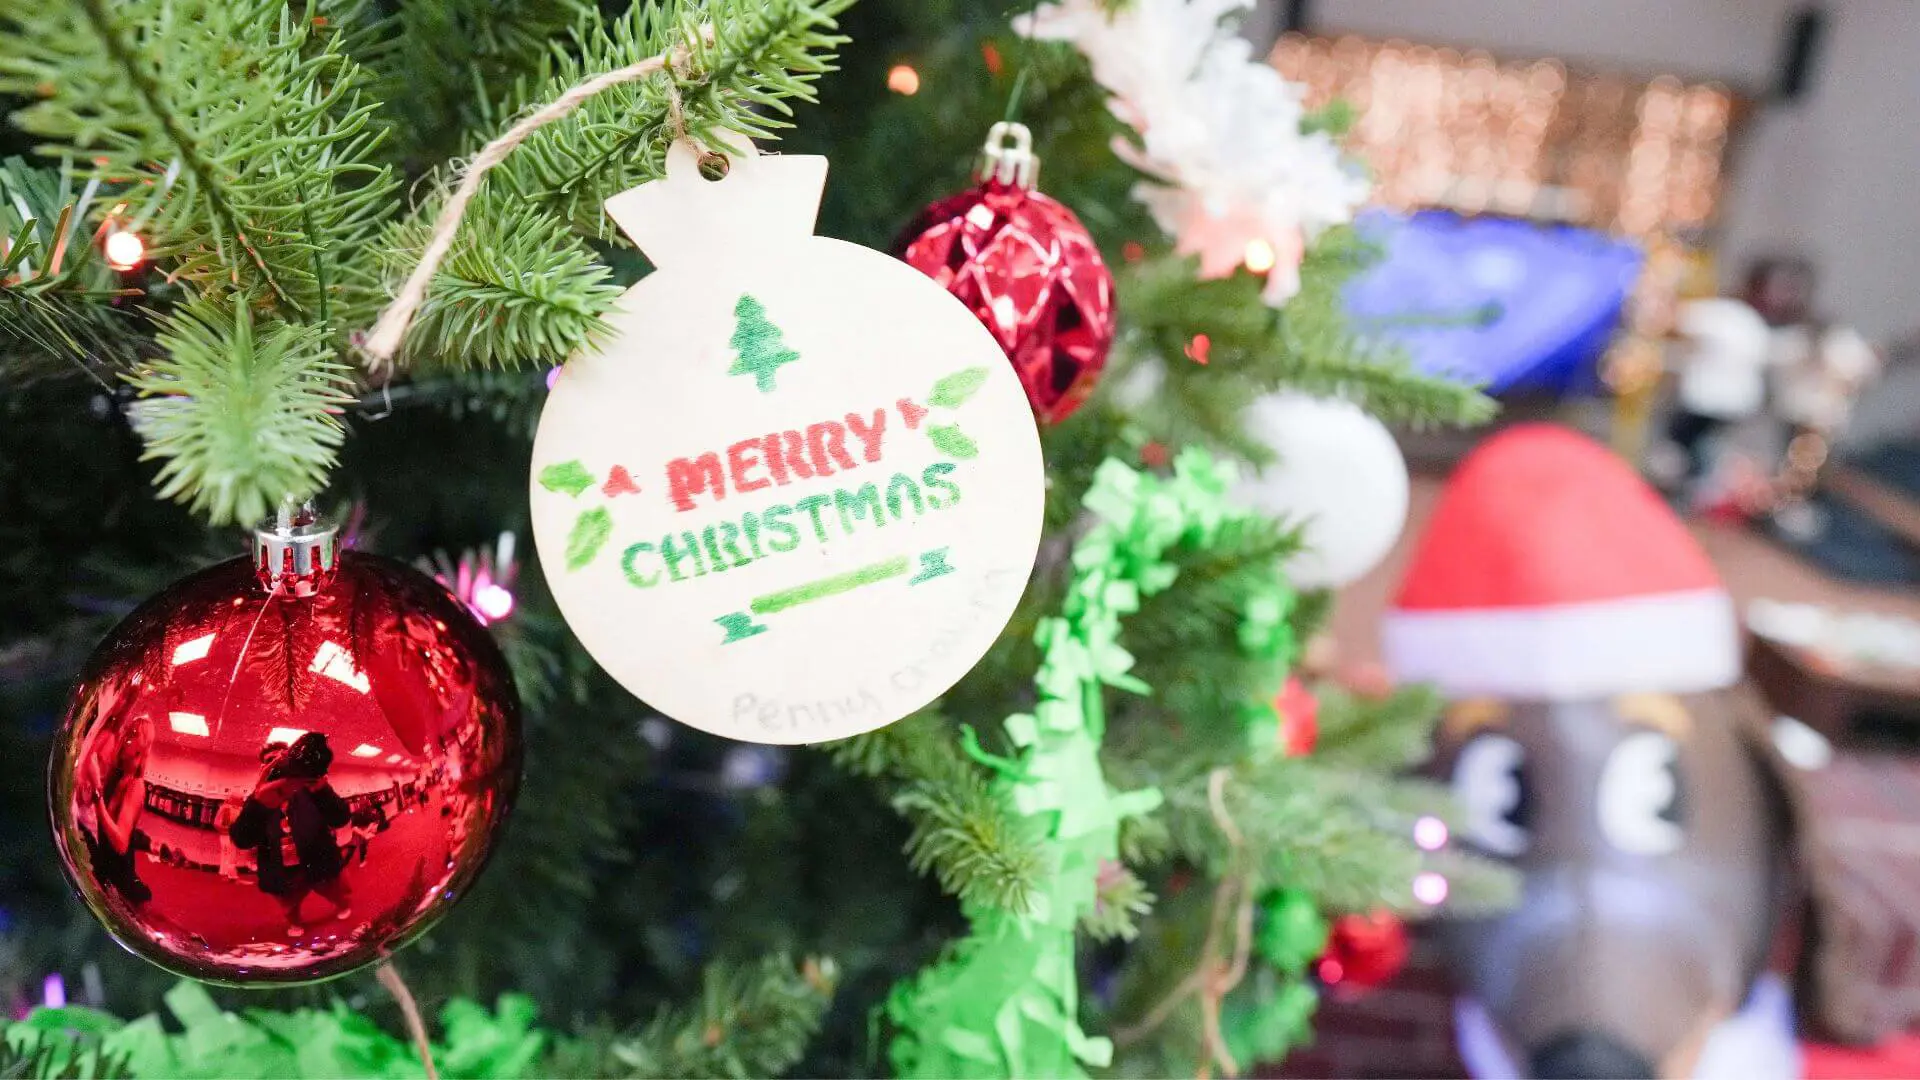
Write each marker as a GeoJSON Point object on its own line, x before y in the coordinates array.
{"type": "Point", "coordinates": [1028, 270]}
{"type": "Point", "coordinates": [256, 789]}
{"type": "Point", "coordinates": [1365, 951]}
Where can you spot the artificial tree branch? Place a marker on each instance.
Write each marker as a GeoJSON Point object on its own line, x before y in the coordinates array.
{"type": "Point", "coordinates": [220, 202]}
{"type": "Point", "coordinates": [384, 340]}
{"type": "Point", "coordinates": [1213, 978]}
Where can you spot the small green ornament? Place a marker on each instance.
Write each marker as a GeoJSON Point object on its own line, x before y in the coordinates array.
{"type": "Point", "coordinates": [1266, 1026]}
{"type": "Point", "coordinates": [1292, 932]}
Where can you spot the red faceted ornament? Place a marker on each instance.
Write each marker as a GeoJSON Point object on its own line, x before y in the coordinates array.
{"type": "Point", "coordinates": [1364, 951]}
{"type": "Point", "coordinates": [1028, 270]}
{"type": "Point", "coordinates": [279, 777]}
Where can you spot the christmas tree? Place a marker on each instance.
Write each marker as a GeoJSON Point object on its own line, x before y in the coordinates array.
{"type": "Point", "coordinates": [758, 343]}
{"type": "Point", "coordinates": [208, 204]}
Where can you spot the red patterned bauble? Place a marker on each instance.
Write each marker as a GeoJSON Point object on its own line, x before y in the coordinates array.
{"type": "Point", "coordinates": [278, 775]}
{"type": "Point", "coordinates": [1299, 718]}
{"type": "Point", "coordinates": [1028, 270]}
{"type": "Point", "coordinates": [1364, 951]}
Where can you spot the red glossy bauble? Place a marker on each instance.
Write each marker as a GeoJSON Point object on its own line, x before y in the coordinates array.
{"type": "Point", "coordinates": [256, 788]}
{"type": "Point", "coordinates": [1028, 270]}
{"type": "Point", "coordinates": [1364, 951]}
{"type": "Point", "coordinates": [1299, 718]}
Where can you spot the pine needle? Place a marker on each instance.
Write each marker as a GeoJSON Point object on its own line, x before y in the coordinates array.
{"type": "Point", "coordinates": [243, 416]}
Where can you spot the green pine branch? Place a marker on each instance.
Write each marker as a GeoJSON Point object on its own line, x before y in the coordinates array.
{"type": "Point", "coordinates": [1254, 350]}
{"type": "Point", "coordinates": [746, 61]}
{"type": "Point", "coordinates": [1187, 638]}
{"type": "Point", "coordinates": [450, 60]}
{"type": "Point", "coordinates": [1121, 901]}
{"type": "Point", "coordinates": [510, 294]}
{"type": "Point", "coordinates": [749, 1021]}
{"type": "Point", "coordinates": [1303, 830]}
{"type": "Point", "coordinates": [962, 829]}
{"type": "Point", "coordinates": [60, 308]}
{"type": "Point", "coordinates": [243, 415]}
{"type": "Point", "coordinates": [30, 1055]}
{"type": "Point", "coordinates": [256, 170]}
{"type": "Point", "coordinates": [1384, 735]}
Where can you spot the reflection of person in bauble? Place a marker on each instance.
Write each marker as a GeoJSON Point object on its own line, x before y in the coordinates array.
{"type": "Point", "coordinates": [117, 790]}
{"type": "Point", "coordinates": [223, 820]}
{"type": "Point", "coordinates": [294, 806]}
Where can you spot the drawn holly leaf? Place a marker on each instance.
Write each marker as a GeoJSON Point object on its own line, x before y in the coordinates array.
{"type": "Point", "coordinates": [570, 478]}
{"type": "Point", "coordinates": [951, 441]}
{"type": "Point", "coordinates": [953, 391]}
{"type": "Point", "coordinates": [589, 535]}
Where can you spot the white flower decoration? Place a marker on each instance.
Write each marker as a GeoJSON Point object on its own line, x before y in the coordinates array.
{"type": "Point", "coordinates": [1234, 179]}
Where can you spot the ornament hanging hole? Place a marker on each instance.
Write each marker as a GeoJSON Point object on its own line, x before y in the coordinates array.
{"type": "Point", "coordinates": [714, 166]}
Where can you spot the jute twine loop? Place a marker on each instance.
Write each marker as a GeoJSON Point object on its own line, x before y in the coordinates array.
{"type": "Point", "coordinates": [382, 342]}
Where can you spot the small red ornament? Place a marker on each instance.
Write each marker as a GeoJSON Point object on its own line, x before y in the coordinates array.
{"type": "Point", "coordinates": [1299, 717]}
{"type": "Point", "coordinates": [1028, 270]}
{"type": "Point", "coordinates": [279, 770]}
{"type": "Point", "coordinates": [1364, 951]}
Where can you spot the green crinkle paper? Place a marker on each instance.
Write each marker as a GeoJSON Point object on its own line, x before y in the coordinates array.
{"type": "Point", "coordinates": [262, 1044]}
{"type": "Point", "coordinates": [1004, 1001]}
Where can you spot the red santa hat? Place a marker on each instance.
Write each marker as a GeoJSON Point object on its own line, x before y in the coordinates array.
{"type": "Point", "coordinates": [1550, 571]}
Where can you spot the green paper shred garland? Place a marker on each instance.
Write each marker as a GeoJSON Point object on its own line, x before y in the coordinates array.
{"type": "Point", "coordinates": [333, 1042]}
{"type": "Point", "coordinates": [1004, 1001]}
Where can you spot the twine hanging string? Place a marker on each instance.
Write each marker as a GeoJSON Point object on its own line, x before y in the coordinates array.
{"type": "Point", "coordinates": [1216, 976]}
{"type": "Point", "coordinates": [383, 341]}
{"type": "Point", "coordinates": [390, 978]}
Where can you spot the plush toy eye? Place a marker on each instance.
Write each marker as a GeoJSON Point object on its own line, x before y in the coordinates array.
{"type": "Point", "coordinates": [1641, 801]}
{"type": "Point", "coordinates": [1490, 783]}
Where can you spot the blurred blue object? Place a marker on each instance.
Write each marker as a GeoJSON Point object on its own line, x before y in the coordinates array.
{"type": "Point", "coordinates": [1513, 306]}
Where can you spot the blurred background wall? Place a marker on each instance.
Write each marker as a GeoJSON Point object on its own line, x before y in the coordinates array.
{"type": "Point", "coordinates": [1828, 168]}
{"type": "Point", "coordinates": [1832, 172]}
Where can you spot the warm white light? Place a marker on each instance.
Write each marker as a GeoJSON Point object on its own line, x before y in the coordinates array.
{"type": "Point", "coordinates": [188, 651]}
{"type": "Point", "coordinates": [366, 750]}
{"type": "Point", "coordinates": [1431, 888]}
{"type": "Point", "coordinates": [187, 723]}
{"type": "Point", "coordinates": [494, 602]}
{"type": "Point", "coordinates": [1260, 256]}
{"type": "Point", "coordinates": [394, 759]}
{"type": "Point", "coordinates": [337, 664]}
{"type": "Point", "coordinates": [124, 250]}
{"type": "Point", "coordinates": [902, 79]}
{"type": "Point", "coordinates": [1430, 833]}
{"type": "Point", "coordinates": [288, 735]}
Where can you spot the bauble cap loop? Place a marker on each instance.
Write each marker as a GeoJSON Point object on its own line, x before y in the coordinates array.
{"type": "Point", "coordinates": [297, 551]}
{"type": "Point", "coordinates": [1008, 157]}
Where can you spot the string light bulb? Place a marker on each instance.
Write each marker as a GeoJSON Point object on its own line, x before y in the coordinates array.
{"type": "Point", "coordinates": [1431, 888]}
{"type": "Point", "coordinates": [124, 249]}
{"type": "Point", "coordinates": [493, 601]}
{"type": "Point", "coordinates": [903, 80]}
{"type": "Point", "coordinates": [1260, 256]}
{"type": "Point", "coordinates": [1430, 833]}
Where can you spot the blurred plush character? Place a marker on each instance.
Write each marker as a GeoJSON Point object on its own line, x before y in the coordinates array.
{"type": "Point", "coordinates": [1593, 662]}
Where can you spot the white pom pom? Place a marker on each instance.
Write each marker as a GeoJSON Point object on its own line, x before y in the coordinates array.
{"type": "Point", "coordinates": [1339, 474]}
